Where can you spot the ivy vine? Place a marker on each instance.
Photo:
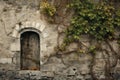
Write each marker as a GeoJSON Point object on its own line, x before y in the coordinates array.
{"type": "Point", "coordinates": [47, 8]}
{"type": "Point", "coordinates": [98, 20]}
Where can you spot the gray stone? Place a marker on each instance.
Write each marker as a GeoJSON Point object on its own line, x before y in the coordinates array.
{"type": "Point", "coordinates": [15, 33]}
{"type": "Point", "coordinates": [85, 70]}
{"type": "Point", "coordinates": [61, 28]}
{"type": "Point", "coordinates": [88, 77]}
{"type": "Point", "coordinates": [17, 27]}
{"type": "Point", "coordinates": [42, 27]}
{"type": "Point", "coordinates": [115, 45]}
{"type": "Point", "coordinates": [72, 71]}
{"type": "Point", "coordinates": [60, 77]}
{"type": "Point", "coordinates": [15, 46]}
{"type": "Point", "coordinates": [20, 16]}
{"type": "Point", "coordinates": [102, 77]}
{"type": "Point", "coordinates": [72, 46]}
{"type": "Point", "coordinates": [79, 77]}
{"type": "Point", "coordinates": [6, 60]}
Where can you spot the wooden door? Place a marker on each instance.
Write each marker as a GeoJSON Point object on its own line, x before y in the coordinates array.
{"type": "Point", "coordinates": [30, 51]}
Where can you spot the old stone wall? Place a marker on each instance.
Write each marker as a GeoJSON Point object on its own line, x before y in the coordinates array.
{"type": "Point", "coordinates": [18, 16]}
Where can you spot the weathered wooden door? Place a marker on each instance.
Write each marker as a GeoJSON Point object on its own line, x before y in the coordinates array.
{"type": "Point", "coordinates": [30, 51]}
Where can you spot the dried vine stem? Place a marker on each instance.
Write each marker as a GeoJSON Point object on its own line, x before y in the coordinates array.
{"type": "Point", "coordinates": [91, 68]}
{"type": "Point", "coordinates": [115, 54]}
{"type": "Point", "coordinates": [108, 65]}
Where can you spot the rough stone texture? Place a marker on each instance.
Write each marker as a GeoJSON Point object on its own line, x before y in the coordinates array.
{"type": "Point", "coordinates": [14, 22]}
{"type": "Point", "coordinates": [18, 16]}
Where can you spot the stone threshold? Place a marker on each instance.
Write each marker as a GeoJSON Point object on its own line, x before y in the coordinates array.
{"type": "Point", "coordinates": [25, 75]}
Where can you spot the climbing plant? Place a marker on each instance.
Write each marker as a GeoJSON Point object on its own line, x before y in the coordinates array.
{"type": "Point", "coordinates": [98, 20]}
{"type": "Point", "coordinates": [47, 8]}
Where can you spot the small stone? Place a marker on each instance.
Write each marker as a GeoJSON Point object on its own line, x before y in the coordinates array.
{"type": "Point", "coordinates": [33, 24]}
{"type": "Point", "coordinates": [17, 27]}
{"type": "Point", "coordinates": [72, 71]}
{"type": "Point", "coordinates": [102, 77]}
{"type": "Point", "coordinates": [88, 77]}
{"type": "Point", "coordinates": [61, 28]}
{"type": "Point", "coordinates": [22, 26]}
{"type": "Point", "coordinates": [37, 25]}
{"type": "Point", "coordinates": [45, 35]}
{"type": "Point", "coordinates": [84, 70]}
{"type": "Point", "coordinates": [27, 24]}
{"type": "Point", "coordinates": [15, 47]}
{"type": "Point", "coordinates": [5, 60]}
{"type": "Point", "coordinates": [79, 77]}
{"type": "Point", "coordinates": [42, 27]}
{"type": "Point", "coordinates": [15, 32]}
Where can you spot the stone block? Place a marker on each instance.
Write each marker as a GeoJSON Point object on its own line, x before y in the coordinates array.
{"type": "Point", "coordinates": [43, 47]}
{"type": "Point", "coordinates": [48, 73]}
{"type": "Point", "coordinates": [17, 27]}
{"type": "Point", "coordinates": [27, 24]}
{"type": "Point", "coordinates": [61, 28]}
{"type": "Point", "coordinates": [72, 46]}
{"type": "Point", "coordinates": [45, 35]}
{"type": "Point", "coordinates": [22, 27]}
{"type": "Point", "coordinates": [72, 71]}
{"type": "Point", "coordinates": [102, 77]}
{"type": "Point", "coordinates": [6, 60]}
{"type": "Point", "coordinates": [115, 45]}
{"type": "Point", "coordinates": [85, 69]}
{"type": "Point", "coordinates": [15, 33]}
{"type": "Point", "coordinates": [37, 25]}
{"type": "Point", "coordinates": [88, 77]}
{"type": "Point", "coordinates": [42, 27]}
{"type": "Point", "coordinates": [104, 45]}
{"type": "Point", "coordinates": [15, 46]}
{"type": "Point", "coordinates": [33, 24]}
{"type": "Point", "coordinates": [69, 59]}
{"type": "Point", "coordinates": [79, 77]}
{"type": "Point", "coordinates": [99, 55]}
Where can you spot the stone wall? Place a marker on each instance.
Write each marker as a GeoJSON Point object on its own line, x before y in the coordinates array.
{"type": "Point", "coordinates": [17, 17]}
{"type": "Point", "coordinates": [15, 21]}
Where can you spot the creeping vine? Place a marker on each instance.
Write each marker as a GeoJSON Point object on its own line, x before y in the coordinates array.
{"type": "Point", "coordinates": [100, 21]}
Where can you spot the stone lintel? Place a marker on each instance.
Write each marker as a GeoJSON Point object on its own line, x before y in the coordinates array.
{"type": "Point", "coordinates": [39, 26]}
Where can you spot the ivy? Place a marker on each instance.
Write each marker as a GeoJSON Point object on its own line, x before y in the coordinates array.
{"type": "Point", "coordinates": [117, 18]}
{"type": "Point", "coordinates": [98, 20]}
{"type": "Point", "coordinates": [47, 8]}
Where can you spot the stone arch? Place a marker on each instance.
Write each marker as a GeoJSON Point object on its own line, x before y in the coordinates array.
{"type": "Point", "coordinates": [19, 29]}
{"type": "Point", "coordinates": [27, 25]}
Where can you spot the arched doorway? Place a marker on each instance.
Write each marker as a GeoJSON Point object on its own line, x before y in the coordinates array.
{"type": "Point", "coordinates": [30, 51]}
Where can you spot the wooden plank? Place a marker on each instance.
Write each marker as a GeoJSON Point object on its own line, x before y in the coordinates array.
{"type": "Point", "coordinates": [30, 55]}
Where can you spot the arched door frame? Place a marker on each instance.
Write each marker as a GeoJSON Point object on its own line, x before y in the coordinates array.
{"type": "Point", "coordinates": [37, 27]}
{"type": "Point", "coordinates": [30, 29]}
